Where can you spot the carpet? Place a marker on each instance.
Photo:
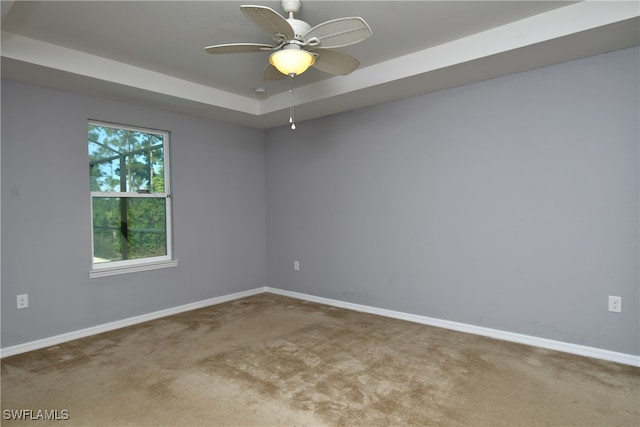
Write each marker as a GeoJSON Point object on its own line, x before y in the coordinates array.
{"type": "Point", "coordinates": [269, 360]}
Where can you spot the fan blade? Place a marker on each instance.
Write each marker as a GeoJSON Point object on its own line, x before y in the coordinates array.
{"type": "Point", "coordinates": [238, 48]}
{"type": "Point", "coordinates": [270, 21]}
{"type": "Point", "coordinates": [271, 73]}
{"type": "Point", "coordinates": [339, 32]}
{"type": "Point", "coordinates": [334, 62]}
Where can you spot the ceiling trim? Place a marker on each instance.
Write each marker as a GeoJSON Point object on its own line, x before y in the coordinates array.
{"type": "Point", "coordinates": [64, 59]}
{"type": "Point", "coordinates": [546, 28]}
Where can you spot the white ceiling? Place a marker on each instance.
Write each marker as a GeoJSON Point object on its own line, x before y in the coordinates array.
{"type": "Point", "coordinates": [151, 52]}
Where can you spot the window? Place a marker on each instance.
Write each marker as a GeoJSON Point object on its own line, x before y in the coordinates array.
{"type": "Point", "coordinates": [130, 199]}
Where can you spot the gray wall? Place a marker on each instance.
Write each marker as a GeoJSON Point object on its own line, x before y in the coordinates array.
{"type": "Point", "coordinates": [219, 214]}
{"type": "Point", "coordinates": [510, 204]}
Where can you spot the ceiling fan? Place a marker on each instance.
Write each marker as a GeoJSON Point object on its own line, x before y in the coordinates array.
{"type": "Point", "coordinates": [297, 44]}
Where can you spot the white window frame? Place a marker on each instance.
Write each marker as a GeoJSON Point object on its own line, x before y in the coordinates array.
{"type": "Point", "coordinates": [103, 269]}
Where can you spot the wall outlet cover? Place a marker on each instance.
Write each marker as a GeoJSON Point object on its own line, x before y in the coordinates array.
{"type": "Point", "coordinates": [615, 304]}
{"type": "Point", "coordinates": [23, 301]}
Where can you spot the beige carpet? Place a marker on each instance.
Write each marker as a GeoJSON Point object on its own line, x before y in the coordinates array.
{"type": "Point", "coordinates": [274, 361]}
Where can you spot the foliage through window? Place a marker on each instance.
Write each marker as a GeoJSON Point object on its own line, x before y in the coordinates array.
{"type": "Point", "coordinates": [130, 200]}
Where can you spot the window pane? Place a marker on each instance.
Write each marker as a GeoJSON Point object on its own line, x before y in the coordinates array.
{"type": "Point", "coordinates": [141, 234]}
{"type": "Point", "coordinates": [147, 228]}
{"type": "Point", "coordinates": [124, 160]}
{"type": "Point", "coordinates": [107, 230]}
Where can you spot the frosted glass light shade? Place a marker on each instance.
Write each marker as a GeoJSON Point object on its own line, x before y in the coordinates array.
{"type": "Point", "coordinates": [292, 61]}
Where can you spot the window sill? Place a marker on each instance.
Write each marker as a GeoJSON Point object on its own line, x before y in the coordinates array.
{"type": "Point", "coordinates": [104, 272]}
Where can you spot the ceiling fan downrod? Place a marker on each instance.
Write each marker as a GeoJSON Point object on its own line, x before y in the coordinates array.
{"type": "Point", "coordinates": [291, 7]}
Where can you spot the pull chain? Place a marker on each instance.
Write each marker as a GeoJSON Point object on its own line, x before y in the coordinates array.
{"type": "Point", "coordinates": [291, 108]}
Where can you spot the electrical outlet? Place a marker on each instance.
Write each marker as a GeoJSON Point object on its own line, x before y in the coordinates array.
{"type": "Point", "coordinates": [296, 265]}
{"type": "Point", "coordinates": [23, 301]}
{"type": "Point", "coordinates": [615, 304]}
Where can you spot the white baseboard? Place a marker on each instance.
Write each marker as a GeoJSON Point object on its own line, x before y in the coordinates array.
{"type": "Point", "coordinates": [627, 359]}
{"type": "Point", "coordinates": [82, 333]}
{"type": "Point", "coordinates": [596, 353]}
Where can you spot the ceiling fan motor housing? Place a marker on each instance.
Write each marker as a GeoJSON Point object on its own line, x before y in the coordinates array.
{"type": "Point", "coordinates": [300, 28]}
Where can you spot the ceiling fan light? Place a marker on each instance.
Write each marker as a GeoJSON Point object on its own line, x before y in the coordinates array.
{"type": "Point", "coordinates": [292, 61]}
